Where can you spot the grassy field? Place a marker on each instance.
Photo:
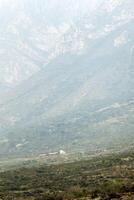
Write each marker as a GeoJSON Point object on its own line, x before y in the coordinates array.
{"type": "Point", "coordinates": [102, 177]}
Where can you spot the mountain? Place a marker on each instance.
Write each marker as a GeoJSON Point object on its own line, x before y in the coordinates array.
{"type": "Point", "coordinates": [66, 74]}
{"type": "Point", "coordinates": [33, 32]}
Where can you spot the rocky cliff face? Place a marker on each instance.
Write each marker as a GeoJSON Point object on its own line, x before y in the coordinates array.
{"type": "Point", "coordinates": [33, 33]}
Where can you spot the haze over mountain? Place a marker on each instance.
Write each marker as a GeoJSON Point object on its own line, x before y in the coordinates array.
{"type": "Point", "coordinates": [66, 75]}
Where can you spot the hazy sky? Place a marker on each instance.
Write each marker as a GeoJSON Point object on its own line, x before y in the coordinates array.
{"type": "Point", "coordinates": [83, 3]}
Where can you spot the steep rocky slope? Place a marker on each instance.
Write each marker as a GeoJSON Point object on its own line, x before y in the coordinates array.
{"type": "Point", "coordinates": [68, 69]}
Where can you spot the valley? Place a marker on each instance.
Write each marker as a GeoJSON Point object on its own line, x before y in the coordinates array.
{"type": "Point", "coordinates": [100, 177]}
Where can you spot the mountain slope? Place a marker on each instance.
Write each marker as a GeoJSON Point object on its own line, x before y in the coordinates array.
{"type": "Point", "coordinates": [80, 93]}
